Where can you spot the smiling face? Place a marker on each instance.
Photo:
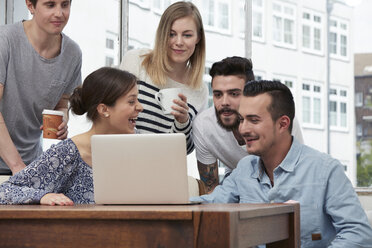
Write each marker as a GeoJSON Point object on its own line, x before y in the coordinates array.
{"type": "Point", "coordinates": [122, 116]}
{"type": "Point", "coordinates": [227, 92]}
{"type": "Point", "coordinates": [182, 40]}
{"type": "Point", "coordinates": [257, 126]}
{"type": "Point", "coordinates": [50, 16]}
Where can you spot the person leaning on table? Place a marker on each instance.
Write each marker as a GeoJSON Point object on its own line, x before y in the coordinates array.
{"type": "Point", "coordinates": [62, 175]}
{"type": "Point", "coordinates": [282, 169]}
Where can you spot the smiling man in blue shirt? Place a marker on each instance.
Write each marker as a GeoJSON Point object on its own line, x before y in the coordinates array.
{"type": "Point", "coordinates": [282, 169]}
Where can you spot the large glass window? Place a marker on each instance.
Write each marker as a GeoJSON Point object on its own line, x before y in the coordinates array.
{"type": "Point", "coordinates": [333, 113]}
{"type": "Point", "coordinates": [259, 75]}
{"type": "Point", "coordinates": [312, 104]}
{"type": "Point", "coordinates": [358, 99]}
{"type": "Point", "coordinates": [284, 23]}
{"type": "Point", "coordinates": [338, 40]}
{"type": "Point", "coordinates": [258, 20]}
{"type": "Point", "coordinates": [216, 15]}
{"type": "Point", "coordinates": [312, 26]}
{"type": "Point", "coordinates": [288, 81]}
{"type": "Point", "coordinates": [112, 48]}
{"type": "Point", "coordinates": [338, 107]}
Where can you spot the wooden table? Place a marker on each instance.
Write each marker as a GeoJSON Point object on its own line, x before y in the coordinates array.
{"type": "Point", "coordinates": [205, 225]}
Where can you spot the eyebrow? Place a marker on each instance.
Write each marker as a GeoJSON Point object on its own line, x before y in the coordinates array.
{"type": "Point", "coordinates": [252, 116]}
{"type": "Point", "coordinates": [189, 30]}
{"type": "Point", "coordinates": [230, 90]}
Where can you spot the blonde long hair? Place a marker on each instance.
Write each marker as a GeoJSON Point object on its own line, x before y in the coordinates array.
{"type": "Point", "coordinates": [157, 63]}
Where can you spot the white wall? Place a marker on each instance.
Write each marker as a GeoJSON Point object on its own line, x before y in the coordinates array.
{"type": "Point", "coordinates": [301, 65]}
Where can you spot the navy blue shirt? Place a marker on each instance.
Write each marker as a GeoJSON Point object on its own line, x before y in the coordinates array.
{"type": "Point", "coordinates": [60, 169]}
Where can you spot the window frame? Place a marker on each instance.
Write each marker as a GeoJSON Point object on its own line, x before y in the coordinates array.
{"type": "Point", "coordinates": [286, 78]}
{"type": "Point", "coordinates": [339, 32]}
{"type": "Point", "coordinates": [313, 95]}
{"type": "Point", "coordinates": [359, 99]}
{"type": "Point", "coordinates": [259, 73]}
{"type": "Point", "coordinates": [339, 99]}
{"type": "Point", "coordinates": [113, 52]}
{"type": "Point", "coordinates": [312, 26]}
{"type": "Point", "coordinates": [282, 32]}
{"type": "Point", "coordinates": [260, 10]}
{"type": "Point", "coordinates": [216, 16]}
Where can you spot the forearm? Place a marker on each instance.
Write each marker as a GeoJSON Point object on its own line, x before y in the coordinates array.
{"type": "Point", "coordinates": [8, 151]}
{"type": "Point", "coordinates": [185, 128]}
{"type": "Point", "coordinates": [62, 105]}
{"type": "Point", "coordinates": [209, 175]}
{"type": "Point", "coordinates": [18, 194]}
{"type": "Point", "coordinates": [349, 218]}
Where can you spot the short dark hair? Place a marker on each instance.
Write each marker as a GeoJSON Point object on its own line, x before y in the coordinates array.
{"type": "Point", "coordinates": [34, 2]}
{"type": "Point", "coordinates": [236, 66]}
{"type": "Point", "coordinates": [104, 85]}
{"type": "Point", "coordinates": [282, 102]}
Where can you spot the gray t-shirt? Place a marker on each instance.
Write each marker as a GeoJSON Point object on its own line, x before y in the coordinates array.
{"type": "Point", "coordinates": [212, 142]}
{"type": "Point", "coordinates": [31, 84]}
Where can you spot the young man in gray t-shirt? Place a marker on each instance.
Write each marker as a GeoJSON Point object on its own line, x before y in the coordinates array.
{"type": "Point", "coordinates": [39, 69]}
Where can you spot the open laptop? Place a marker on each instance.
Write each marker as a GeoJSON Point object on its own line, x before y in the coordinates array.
{"type": "Point", "coordinates": [140, 169]}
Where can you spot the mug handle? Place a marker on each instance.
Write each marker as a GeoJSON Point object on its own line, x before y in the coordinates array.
{"type": "Point", "coordinates": [158, 96]}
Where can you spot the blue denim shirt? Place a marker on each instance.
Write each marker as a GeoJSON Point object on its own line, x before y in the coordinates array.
{"type": "Point", "coordinates": [329, 205]}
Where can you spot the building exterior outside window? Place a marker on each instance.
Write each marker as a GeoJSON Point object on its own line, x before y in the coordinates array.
{"type": "Point", "coordinates": [312, 31]}
{"type": "Point", "coordinates": [338, 108]}
{"type": "Point", "coordinates": [258, 19]}
{"type": "Point", "coordinates": [112, 49]}
{"type": "Point", "coordinates": [216, 15]}
{"type": "Point", "coordinates": [284, 24]}
{"type": "Point", "coordinates": [312, 104]}
{"type": "Point", "coordinates": [339, 33]}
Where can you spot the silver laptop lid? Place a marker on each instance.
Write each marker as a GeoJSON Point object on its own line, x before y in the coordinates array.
{"type": "Point", "coordinates": [140, 169]}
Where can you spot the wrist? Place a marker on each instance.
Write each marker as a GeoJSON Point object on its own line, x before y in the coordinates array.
{"type": "Point", "coordinates": [17, 166]}
{"type": "Point", "coordinates": [181, 126]}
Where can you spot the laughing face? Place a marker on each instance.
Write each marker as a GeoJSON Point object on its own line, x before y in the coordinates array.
{"type": "Point", "coordinates": [124, 113]}
{"type": "Point", "coordinates": [50, 16]}
{"type": "Point", "coordinates": [257, 126]}
{"type": "Point", "coordinates": [227, 92]}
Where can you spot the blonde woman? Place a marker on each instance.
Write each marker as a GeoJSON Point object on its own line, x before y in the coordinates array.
{"type": "Point", "coordinates": [177, 61]}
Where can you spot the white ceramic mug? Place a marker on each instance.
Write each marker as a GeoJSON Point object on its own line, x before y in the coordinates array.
{"type": "Point", "coordinates": [165, 98]}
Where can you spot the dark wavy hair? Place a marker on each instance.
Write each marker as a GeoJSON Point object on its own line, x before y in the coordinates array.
{"type": "Point", "coordinates": [104, 85]}
{"type": "Point", "coordinates": [282, 102]}
{"type": "Point", "coordinates": [233, 66]}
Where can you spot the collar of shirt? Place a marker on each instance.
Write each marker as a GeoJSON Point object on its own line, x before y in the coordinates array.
{"type": "Point", "coordinates": [288, 164]}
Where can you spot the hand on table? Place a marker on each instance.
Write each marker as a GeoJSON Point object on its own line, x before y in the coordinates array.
{"type": "Point", "coordinates": [56, 199]}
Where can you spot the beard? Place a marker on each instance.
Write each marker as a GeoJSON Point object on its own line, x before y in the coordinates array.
{"type": "Point", "coordinates": [229, 127]}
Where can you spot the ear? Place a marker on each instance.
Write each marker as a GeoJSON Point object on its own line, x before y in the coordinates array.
{"type": "Point", "coordinates": [103, 110]}
{"type": "Point", "coordinates": [283, 123]}
{"type": "Point", "coordinates": [30, 7]}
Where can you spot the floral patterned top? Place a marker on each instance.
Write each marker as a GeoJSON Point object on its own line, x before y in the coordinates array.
{"type": "Point", "coordinates": [60, 169]}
